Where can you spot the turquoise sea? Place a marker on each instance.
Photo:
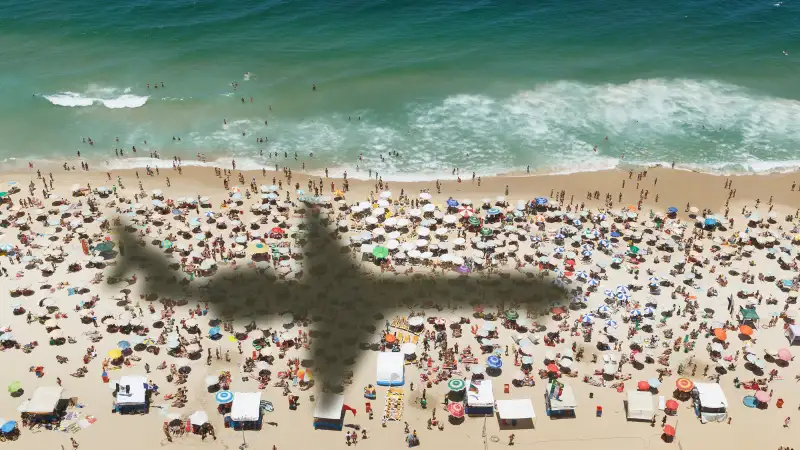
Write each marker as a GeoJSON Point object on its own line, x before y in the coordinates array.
{"type": "Point", "coordinates": [486, 86]}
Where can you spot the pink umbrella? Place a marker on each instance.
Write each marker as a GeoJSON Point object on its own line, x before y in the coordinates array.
{"type": "Point", "coordinates": [784, 354]}
{"type": "Point", "coordinates": [762, 396]}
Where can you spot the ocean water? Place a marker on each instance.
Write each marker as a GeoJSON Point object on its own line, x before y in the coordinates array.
{"type": "Point", "coordinates": [485, 86]}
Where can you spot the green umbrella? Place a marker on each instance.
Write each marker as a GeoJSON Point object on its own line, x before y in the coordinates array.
{"type": "Point", "coordinates": [474, 221]}
{"type": "Point", "coordinates": [15, 386]}
{"type": "Point", "coordinates": [104, 246]}
{"type": "Point", "coordinates": [166, 243]}
{"type": "Point", "coordinates": [633, 249]}
{"type": "Point", "coordinates": [512, 314]}
{"type": "Point", "coordinates": [3, 194]}
{"type": "Point", "coordinates": [486, 232]}
{"type": "Point", "coordinates": [380, 252]}
{"type": "Point", "coordinates": [456, 384]}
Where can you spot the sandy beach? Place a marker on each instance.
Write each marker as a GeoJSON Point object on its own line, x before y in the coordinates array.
{"type": "Point", "coordinates": [617, 223]}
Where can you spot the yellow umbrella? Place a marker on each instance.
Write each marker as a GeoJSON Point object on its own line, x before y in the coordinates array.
{"type": "Point", "coordinates": [232, 338]}
{"type": "Point", "coordinates": [256, 248]}
{"type": "Point", "coordinates": [115, 353]}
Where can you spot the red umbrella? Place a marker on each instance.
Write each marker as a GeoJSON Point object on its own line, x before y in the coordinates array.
{"type": "Point", "coordinates": [672, 404]}
{"type": "Point", "coordinates": [557, 311]}
{"type": "Point", "coordinates": [552, 368]}
{"type": "Point", "coordinates": [643, 386]}
{"type": "Point", "coordinates": [277, 230]}
{"type": "Point", "coordinates": [684, 384]}
{"type": "Point", "coordinates": [669, 430]}
{"type": "Point", "coordinates": [456, 409]}
{"type": "Point", "coordinates": [570, 262]}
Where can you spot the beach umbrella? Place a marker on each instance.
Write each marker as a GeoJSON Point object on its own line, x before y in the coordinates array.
{"type": "Point", "coordinates": [684, 384]}
{"type": "Point", "coordinates": [654, 383]}
{"type": "Point", "coordinates": [671, 404]}
{"type": "Point", "coordinates": [643, 385]}
{"type": "Point", "coordinates": [762, 396]}
{"type": "Point", "coordinates": [213, 331]}
{"type": "Point", "coordinates": [8, 427]}
{"type": "Point", "coordinates": [124, 345]}
{"type": "Point", "coordinates": [648, 311]}
{"type": "Point", "coordinates": [672, 210]}
{"type": "Point", "coordinates": [603, 309]}
{"type": "Point", "coordinates": [512, 314]}
{"type": "Point", "coordinates": [636, 313]}
{"type": "Point", "coordinates": [451, 202]}
{"type": "Point", "coordinates": [746, 330]}
{"type": "Point", "coordinates": [611, 323]}
{"type": "Point", "coordinates": [14, 386]}
{"type": "Point", "coordinates": [581, 274]}
{"type": "Point", "coordinates": [669, 430]}
{"type": "Point", "coordinates": [720, 334]}
{"type": "Point", "coordinates": [494, 362]}
{"type": "Point", "coordinates": [486, 232]}
{"type": "Point", "coordinates": [493, 211]}
{"type": "Point", "coordinates": [623, 298]}
{"type": "Point", "coordinates": [380, 252]}
{"type": "Point", "coordinates": [223, 397]}
{"type": "Point", "coordinates": [587, 318]}
{"type": "Point", "coordinates": [784, 354]}
{"type": "Point", "coordinates": [115, 353]}
{"type": "Point", "coordinates": [633, 249]}
{"type": "Point", "coordinates": [456, 384]}
{"type": "Point", "coordinates": [540, 201]}
{"type": "Point", "coordinates": [552, 368]}
{"type": "Point", "coordinates": [456, 409]}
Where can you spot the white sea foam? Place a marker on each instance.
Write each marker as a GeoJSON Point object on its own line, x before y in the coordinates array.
{"type": "Point", "coordinates": [108, 97]}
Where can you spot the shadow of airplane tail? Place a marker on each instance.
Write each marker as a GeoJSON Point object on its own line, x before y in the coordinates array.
{"type": "Point", "coordinates": [344, 302]}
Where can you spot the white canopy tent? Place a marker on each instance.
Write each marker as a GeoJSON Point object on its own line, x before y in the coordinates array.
{"type": "Point", "coordinates": [793, 334]}
{"type": "Point", "coordinates": [246, 406]}
{"type": "Point", "coordinates": [131, 390]}
{"type": "Point", "coordinates": [711, 402]}
{"type": "Point", "coordinates": [516, 409]}
{"type": "Point", "coordinates": [640, 405]}
{"type": "Point", "coordinates": [480, 397]}
{"type": "Point", "coordinates": [391, 368]}
{"type": "Point", "coordinates": [43, 401]}
{"type": "Point", "coordinates": [329, 407]}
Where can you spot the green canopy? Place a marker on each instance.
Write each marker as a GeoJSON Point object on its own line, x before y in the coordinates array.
{"type": "Point", "coordinates": [380, 252]}
{"type": "Point", "coordinates": [486, 232]}
{"type": "Point", "coordinates": [748, 314]}
{"type": "Point", "coordinates": [633, 249]}
{"type": "Point", "coordinates": [15, 386]}
{"type": "Point", "coordinates": [474, 221]}
{"type": "Point", "coordinates": [512, 314]}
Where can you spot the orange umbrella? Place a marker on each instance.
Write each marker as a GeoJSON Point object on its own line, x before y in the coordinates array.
{"type": "Point", "coordinates": [684, 384]}
{"type": "Point", "coordinates": [720, 334]}
{"type": "Point", "coordinates": [746, 330]}
{"type": "Point", "coordinates": [390, 338]}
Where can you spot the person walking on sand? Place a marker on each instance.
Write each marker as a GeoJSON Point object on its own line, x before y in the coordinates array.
{"type": "Point", "coordinates": [75, 444]}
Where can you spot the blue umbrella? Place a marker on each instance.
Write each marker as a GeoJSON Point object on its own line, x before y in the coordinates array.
{"type": "Point", "coordinates": [451, 202]}
{"type": "Point", "coordinates": [493, 211]}
{"type": "Point", "coordinates": [672, 210]}
{"type": "Point", "coordinates": [213, 331]}
{"type": "Point", "coordinates": [8, 426]}
{"type": "Point", "coordinates": [223, 397]}
{"type": "Point", "coordinates": [710, 222]}
{"type": "Point", "coordinates": [622, 297]}
{"type": "Point", "coordinates": [648, 311]}
{"type": "Point", "coordinates": [594, 282]}
{"type": "Point", "coordinates": [636, 313]}
{"type": "Point", "coordinates": [540, 200]}
{"type": "Point", "coordinates": [494, 362]}
{"type": "Point", "coordinates": [604, 309]}
{"type": "Point", "coordinates": [587, 318]}
{"type": "Point", "coordinates": [123, 345]}
{"type": "Point", "coordinates": [603, 243]}
{"type": "Point", "coordinates": [176, 212]}
{"type": "Point", "coordinates": [611, 323]}
{"type": "Point", "coordinates": [654, 383]}
{"type": "Point", "coordinates": [615, 234]}
{"type": "Point", "coordinates": [527, 360]}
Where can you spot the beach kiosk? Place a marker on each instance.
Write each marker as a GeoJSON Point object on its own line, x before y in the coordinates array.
{"type": "Point", "coordinates": [329, 412]}
{"type": "Point", "coordinates": [516, 413]}
{"type": "Point", "coordinates": [480, 398]}
{"type": "Point", "coordinates": [793, 334]}
{"type": "Point", "coordinates": [245, 411]}
{"type": "Point", "coordinates": [131, 397]}
{"type": "Point", "coordinates": [559, 400]}
{"type": "Point", "coordinates": [391, 369]}
{"type": "Point", "coordinates": [640, 406]}
{"type": "Point", "coordinates": [43, 406]}
{"type": "Point", "coordinates": [710, 403]}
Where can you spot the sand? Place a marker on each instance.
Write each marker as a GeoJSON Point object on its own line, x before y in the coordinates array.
{"type": "Point", "coordinates": [749, 428]}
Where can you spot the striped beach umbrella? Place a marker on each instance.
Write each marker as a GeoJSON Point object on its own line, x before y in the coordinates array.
{"type": "Point", "coordinates": [223, 397]}
{"type": "Point", "coordinates": [456, 384]}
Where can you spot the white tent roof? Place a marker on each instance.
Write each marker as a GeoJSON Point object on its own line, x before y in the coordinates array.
{"type": "Point", "coordinates": [484, 396]}
{"type": "Point", "coordinates": [566, 401]}
{"type": "Point", "coordinates": [640, 405]}
{"type": "Point", "coordinates": [246, 406]}
{"type": "Point", "coordinates": [711, 395]}
{"type": "Point", "coordinates": [44, 400]}
{"type": "Point", "coordinates": [198, 418]}
{"type": "Point", "coordinates": [136, 394]}
{"type": "Point", "coordinates": [521, 408]}
{"type": "Point", "coordinates": [390, 368]}
{"type": "Point", "coordinates": [329, 406]}
{"type": "Point", "coordinates": [793, 333]}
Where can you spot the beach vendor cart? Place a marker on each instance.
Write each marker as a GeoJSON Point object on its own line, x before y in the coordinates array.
{"type": "Point", "coordinates": [245, 411]}
{"type": "Point", "coordinates": [329, 412]}
{"type": "Point", "coordinates": [390, 369]}
{"type": "Point", "coordinates": [44, 406]}
{"type": "Point", "coordinates": [710, 403]}
{"type": "Point", "coordinates": [559, 400]}
{"type": "Point", "coordinates": [516, 413]}
{"type": "Point", "coordinates": [132, 395]}
{"type": "Point", "coordinates": [480, 398]}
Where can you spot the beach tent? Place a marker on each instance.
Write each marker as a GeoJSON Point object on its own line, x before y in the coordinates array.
{"type": "Point", "coordinates": [329, 412]}
{"type": "Point", "coordinates": [480, 398]}
{"type": "Point", "coordinates": [43, 402]}
{"type": "Point", "coordinates": [390, 369]}
{"type": "Point", "coordinates": [246, 411]}
{"type": "Point", "coordinates": [793, 334]}
{"type": "Point", "coordinates": [640, 405]}
{"type": "Point", "coordinates": [511, 411]}
{"type": "Point", "coordinates": [560, 400]}
{"type": "Point", "coordinates": [710, 403]}
{"type": "Point", "coordinates": [132, 394]}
